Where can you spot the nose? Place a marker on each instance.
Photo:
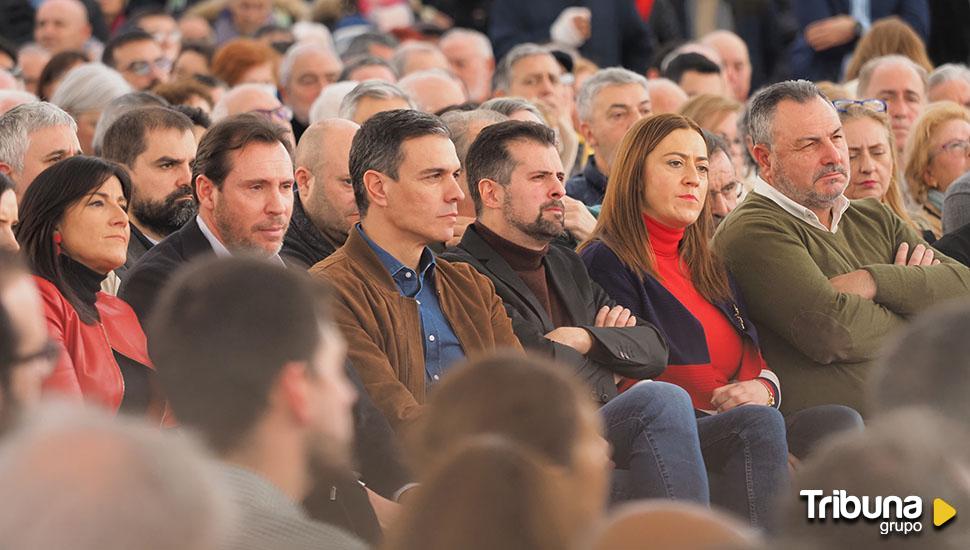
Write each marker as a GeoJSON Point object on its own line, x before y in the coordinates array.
{"type": "Point", "coordinates": [865, 163]}
{"type": "Point", "coordinates": [118, 216]}
{"type": "Point", "coordinates": [184, 176]}
{"type": "Point", "coordinates": [718, 203]}
{"type": "Point", "coordinates": [558, 189]}
{"type": "Point", "coordinates": [454, 192]}
{"type": "Point", "coordinates": [692, 176]}
{"type": "Point", "coordinates": [276, 202]}
{"type": "Point", "coordinates": [831, 153]}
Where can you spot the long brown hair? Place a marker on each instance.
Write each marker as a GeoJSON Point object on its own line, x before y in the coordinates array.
{"type": "Point", "coordinates": [620, 225]}
{"type": "Point", "coordinates": [888, 36]}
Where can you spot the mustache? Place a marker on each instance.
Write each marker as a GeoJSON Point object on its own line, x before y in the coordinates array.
{"type": "Point", "coordinates": [273, 222]}
{"type": "Point", "coordinates": [553, 204]}
{"type": "Point", "coordinates": [831, 169]}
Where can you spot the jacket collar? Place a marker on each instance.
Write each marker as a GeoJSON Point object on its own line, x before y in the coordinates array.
{"type": "Point", "coordinates": [360, 253]}
{"type": "Point", "coordinates": [303, 234]}
{"type": "Point", "coordinates": [594, 177]}
{"type": "Point", "coordinates": [192, 239]}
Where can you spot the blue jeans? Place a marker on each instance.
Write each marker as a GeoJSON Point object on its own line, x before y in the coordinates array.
{"type": "Point", "coordinates": [809, 427]}
{"type": "Point", "coordinates": [657, 453]}
{"type": "Point", "coordinates": [746, 453]}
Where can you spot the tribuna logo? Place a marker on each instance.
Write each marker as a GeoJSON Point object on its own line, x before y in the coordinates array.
{"type": "Point", "coordinates": [897, 515]}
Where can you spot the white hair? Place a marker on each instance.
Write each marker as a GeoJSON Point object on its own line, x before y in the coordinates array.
{"type": "Point", "coordinates": [221, 108]}
{"type": "Point", "coordinates": [89, 87]}
{"type": "Point", "coordinates": [404, 51]}
{"type": "Point", "coordinates": [948, 72]}
{"type": "Point", "coordinates": [293, 53]}
{"type": "Point", "coordinates": [375, 89]}
{"type": "Point", "coordinates": [480, 40]}
{"type": "Point", "coordinates": [11, 98]}
{"type": "Point", "coordinates": [18, 123]}
{"type": "Point", "coordinates": [612, 76]}
{"type": "Point", "coordinates": [308, 32]}
{"type": "Point", "coordinates": [327, 104]}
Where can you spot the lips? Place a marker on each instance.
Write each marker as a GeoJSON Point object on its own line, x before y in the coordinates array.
{"type": "Point", "coordinates": [869, 184]}
{"type": "Point", "coordinates": [687, 197]}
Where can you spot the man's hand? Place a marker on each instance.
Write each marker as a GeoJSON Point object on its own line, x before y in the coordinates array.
{"type": "Point", "coordinates": [460, 226]}
{"type": "Point", "coordinates": [858, 282]}
{"type": "Point", "coordinates": [572, 27]}
{"type": "Point", "coordinates": [830, 32]}
{"type": "Point", "coordinates": [751, 392]}
{"type": "Point", "coordinates": [385, 510]}
{"type": "Point", "coordinates": [578, 219]}
{"type": "Point", "coordinates": [619, 316]}
{"type": "Point", "coordinates": [922, 256]}
{"type": "Point", "coordinates": [577, 338]}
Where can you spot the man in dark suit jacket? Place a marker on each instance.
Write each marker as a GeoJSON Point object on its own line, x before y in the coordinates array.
{"type": "Point", "coordinates": [244, 179]}
{"type": "Point", "coordinates": [516, 181]}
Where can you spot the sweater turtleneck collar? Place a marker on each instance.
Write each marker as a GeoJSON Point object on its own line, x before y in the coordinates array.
{"type": "Point", "coordinates": [518, 257]}
{"type": "Point", "coordinates": [664, 240]}
{"type": "Point", "coordinates": [84, 281]}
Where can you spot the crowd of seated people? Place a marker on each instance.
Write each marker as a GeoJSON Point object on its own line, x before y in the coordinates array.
{"type": "Point", "coordinates": [435, 275]}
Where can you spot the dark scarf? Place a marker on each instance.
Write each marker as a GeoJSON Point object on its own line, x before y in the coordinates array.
{"type": "Point", "coordinates": [83, 281]}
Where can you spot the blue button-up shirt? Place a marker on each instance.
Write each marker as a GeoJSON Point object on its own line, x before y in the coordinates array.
{"type": "Point", "coordinates": [441, 347]}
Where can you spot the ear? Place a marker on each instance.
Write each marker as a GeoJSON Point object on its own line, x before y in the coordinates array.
{"type": "Point", "coordinates": [929, 178]}
{"type": "Point", "coordinates": [762, 156]}
{"type": "Point", "coordinates": [205, 190]}
{"type": "Point", "coordinates": [304, 181]}
{"type": "Point", "coordinates": [5, 169]}
{"type": "Point", "coordinates": [292, 392]}
{"type": "Point", "coordinates": [492, 194]}
{"type": "Point", "coordinates": [375, 184]}
{"type": "Point", "coordinates": [587, 134]}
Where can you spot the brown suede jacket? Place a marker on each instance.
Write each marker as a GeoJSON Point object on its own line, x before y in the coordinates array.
{"type": "Point", "coordinates": [383, 328]}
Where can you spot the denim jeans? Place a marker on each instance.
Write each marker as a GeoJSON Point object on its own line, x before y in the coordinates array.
{"type": "Point", "coordinates": [808, 427]}
{"type": "Point", "coordinates": [657, 453]}
{"type": "Point", "coordinates": [746, 453]}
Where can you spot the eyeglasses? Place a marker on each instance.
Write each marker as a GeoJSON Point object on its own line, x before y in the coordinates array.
{"type": "Point", "coordinates": [961, 145]}
{"type": "Point", "coordinates": [143, 68]}
{"type": "Point", "coordinates": [282, 113]}
{"type": "Point", "coordinates": [173, 36]}
{"type": "Point", "coordinates": [875, 105]}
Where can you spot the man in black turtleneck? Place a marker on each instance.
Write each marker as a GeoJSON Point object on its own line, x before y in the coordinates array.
{"type": "Point", "coordinates": [324, 209]}
{"type": "Point", "coordinates": [515, 178]}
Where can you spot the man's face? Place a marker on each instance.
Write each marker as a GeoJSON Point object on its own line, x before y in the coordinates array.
{"type": "Point", "coordinates": [250, 15]}
{"type": "Point", "coordinates": [723, 186]}
{"type": "Point", "coordinates": [809, 159]}
{"type": "Point", "coordinates": [252, 210]}
{"type": "Point", "coordinates": [532, 203]}
{"type": "Point", "coordinates": [45, 147]}
{"type": "Point", "coordinates": [370, 106]}
{"type": "Point", "coordinates": [61, 25]}
{"type": "Point", "coordinates": [956, 90]}
{"type": "Point", "coordinates": [312, 72]}
{"type": "Point", "coordinates": [615, 110]}
{"type": "Point", "coordinates": [472, 65]}
{"type": "Point", "coordinates": [331, 435]}
{"type": "Point", "coordinates": [142, 64]}
{"type": "Point", "coordinates": [328, 196]}
{"type": "Point", "coordinates": [737, 65]}
{"type": "Point", "coordinates": [161, 198]}
{"type": "Point", "coordinates": [422, 60]}
{"type": "Point", "coordinates": [696, 83]}
{"type": "Point", "coordinates": [902, 89]}
{"type": "Point", "coordinates": [166, 33]}
{"type": "Point", "coordinates": [422, 203]}
{"type": "Point", "coordinates": [537, 78]}
{"type": "Point", "coordinates": [23, 304]}
{"type": "Point", "coordinates": [31, 62]}
{"type": "Point", "coordinates": [9, 217]}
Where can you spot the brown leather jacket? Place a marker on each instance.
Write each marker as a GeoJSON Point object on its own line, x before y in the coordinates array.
{"type": "Point", "coordinates": [383, 328]}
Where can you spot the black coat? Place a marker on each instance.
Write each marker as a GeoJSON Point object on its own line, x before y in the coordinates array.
{"type": "Point", "coordinates": [956, 245]}
{"type": "Point", "coordinates": [636, 352]}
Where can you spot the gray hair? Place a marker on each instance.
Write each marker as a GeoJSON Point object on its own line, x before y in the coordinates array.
{"type": "Point", "coordinates": [865, 73]}
{"type": "Point", "coordinates": [508, 106]}
{"type": "Point", "coordinates": [761, 113]}
{"type": "Point", "coordinates": [374, 89]}
{"type": "Point", "coordinates": [119, 106]}
{"type": "Point", "coordinates": [613, 76]}
{"type": "Point", "coordinates": [294, 53]}
{"type": "Point", "coordinates": [404, 51]}
{"type": "Point", "coordinates": [481, 41]}
{"type": "Point", "coordinates": [21, 96]}
{"type": "Point", "coordinates": [459, 122]}
{"type": "Point", "coordinates": [948, 72]}
{"type": "Point", "coordinates": [125, 485]}
{"type": "Point", "coordinates": [221, 109]}
{"type": "Point", "coordinates": [327, 104]}
{"type": "Point", "coordinates": [89, 87]}
{"type": "Point", "coordinates": [715, 144]}
{"type": "Point", "coordinates": [18, 123]}
{"type": "Point", "coordinates": [503, 72]}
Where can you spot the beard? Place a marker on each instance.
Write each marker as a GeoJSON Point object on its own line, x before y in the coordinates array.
{"type": "Point", "coordinates": [540, 229]}
{"type": "Point", "coordinates": [811, 198]}
{"type": "Point", "coordinates": [239, 239]}
{"type": "Point", "coordinates": [168, 215]}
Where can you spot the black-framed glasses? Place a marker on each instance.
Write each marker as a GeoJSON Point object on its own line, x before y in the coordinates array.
{"type": "Point", "coordinates": [142, 68]}
{"type": "Point", "coordinates": [875, 105]}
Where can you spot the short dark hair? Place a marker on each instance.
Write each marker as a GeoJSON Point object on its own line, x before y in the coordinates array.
{"type": "Point", "coordinates": [363, 61]}
{"type": "Point", "coordinates": [715, 143]}
{"type": "Point", "coordinates": [489, 156]}
{"type": "Point", "coordinates": [360, 44]}
{"type": "Point", "coordinates": [690, 61]}
{"type": "Point", "coordinates": [57, 67]}
{"type": "Point", "coordinates": [221, 333]}
{"type": "Point", "coordinates": [119, 40]}
{"type": "Point", "coordinates": [377, 145]}
{"type": "Point", "coordinates": [44, 203]}
{"type": "Point", "coordinates": [127, 137]}
{"type": "Point", "coordinates": [195, 114]}
{"type": "Point", "coordinates": [232, 134]}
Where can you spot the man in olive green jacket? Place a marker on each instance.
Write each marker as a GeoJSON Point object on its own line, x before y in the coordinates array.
{"type": "Point", "coordinates": [408, 317]}
{"type": "Point", "coordinates": [826, 279]}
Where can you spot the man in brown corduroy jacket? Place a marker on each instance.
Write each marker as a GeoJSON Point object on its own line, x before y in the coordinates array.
{"type": "Point", "coordinates": [408, 317]}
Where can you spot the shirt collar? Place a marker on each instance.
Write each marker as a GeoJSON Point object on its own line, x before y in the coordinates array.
{"type": "Point", "coordinates": [802, 213]}
{"type": "Point", "coordinates": [217, 246]}
{"type": "Point", "coordinates": [392, 264]}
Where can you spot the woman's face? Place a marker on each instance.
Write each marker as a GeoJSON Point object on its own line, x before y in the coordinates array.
{"type": "Point", "coordinates": [949, 154]}
{"type": "Point", "coordinates": [870, 159]}
{"type": "Point", "coordinates": [728, 129]}
{"type": "Point", "coordinates": [676, 179]}
{"type": "Point", "coordinates": [94, 230]}
{"type": "Point", "coordinates": [8, 219]}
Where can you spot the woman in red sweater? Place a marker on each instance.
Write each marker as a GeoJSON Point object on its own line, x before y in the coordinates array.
{"type": "Point", "coordinates": [650, 252]}
{"type": "Point", "coordinates": [74, 230]}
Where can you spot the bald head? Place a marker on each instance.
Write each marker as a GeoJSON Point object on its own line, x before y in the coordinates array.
{"type": "Point", "coordinates": [62, 25]}
{"type": "Point", "coordinates": [323, 177]}
{"type": "Point", "coordinates": [433, 90]}
{"type": "Point", "coordinates": [665, 96]}
{"type": "Point", "coordinates": [735, 61]}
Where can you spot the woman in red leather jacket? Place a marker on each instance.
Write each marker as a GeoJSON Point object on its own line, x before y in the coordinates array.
{"type": "Point", "coordinates": [74, 230]}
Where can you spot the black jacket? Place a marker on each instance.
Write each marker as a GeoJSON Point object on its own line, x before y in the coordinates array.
{"type": "Point", "coordinates": [636, 352]}
{"type": "Point", "coordinates": [138, 245]}
{"type": "Point", "coordinates": [956, 245]}
{"type": "Point", "coordinates": [303, 244]}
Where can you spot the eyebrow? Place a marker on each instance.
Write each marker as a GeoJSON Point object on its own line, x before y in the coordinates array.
{"type": "Point", "coordinates": [685, 156]}
{"type": "Point", "coordinates": [264, 180]}
{"type": "Point", "coordinates": [162, 159]}
{"type": "Point", "coordinates": [437, 170]}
